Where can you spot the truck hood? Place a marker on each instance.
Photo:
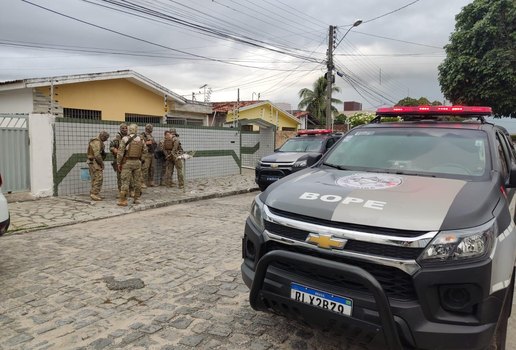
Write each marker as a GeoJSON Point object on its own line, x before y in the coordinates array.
{"type": "Point", "coordinates": [402, 202]}
{"type": "Point", "coordinates": [288, 157]}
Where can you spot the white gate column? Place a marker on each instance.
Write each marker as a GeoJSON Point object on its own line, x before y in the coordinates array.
{"type": "Point", "coordinates": [41, 138]}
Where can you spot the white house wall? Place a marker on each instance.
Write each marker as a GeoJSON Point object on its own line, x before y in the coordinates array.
{"type": "Point", "coordinates": [16, 101]}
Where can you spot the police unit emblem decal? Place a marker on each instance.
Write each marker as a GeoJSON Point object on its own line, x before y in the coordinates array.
{"type": "Point", "coordinates": [370, 181]}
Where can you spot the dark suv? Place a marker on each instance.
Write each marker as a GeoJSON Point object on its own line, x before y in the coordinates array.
{"type": "Point", "coordinates": [295, 154]}
{"type": "Point", "coordinates": [403, 234]}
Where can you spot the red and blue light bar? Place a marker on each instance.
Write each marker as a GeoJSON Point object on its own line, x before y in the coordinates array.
{"type": "Point", "coordinates": [435, 110]}
{"type": "Point", "coordinates": [314, 132]}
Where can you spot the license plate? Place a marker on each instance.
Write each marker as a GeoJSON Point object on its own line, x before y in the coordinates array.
{"type": "Point", "coordinates": [272, 178]}
{"type": "Point", "coordinates": [323, 300]}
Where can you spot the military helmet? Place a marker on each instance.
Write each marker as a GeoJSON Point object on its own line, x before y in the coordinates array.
{"type": "Point", "coordinates": [104, 135]}
{"type": "Point", "coordinates": [123, 126]}
{"type": "Point", "coordinates": [173, 131]}
{"type": "Point", "coordinates": [133, 129]}
{"type": "Point", "coordinates": [148, 128]}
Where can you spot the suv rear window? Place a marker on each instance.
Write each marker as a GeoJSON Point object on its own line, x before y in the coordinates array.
{"type": "Point", "coordinates": [460, 152]}
{"type": "Point", "coordinates": [302, 144]}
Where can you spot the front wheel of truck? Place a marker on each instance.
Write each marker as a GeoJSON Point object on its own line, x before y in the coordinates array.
{"type": "Point", "coordinates": [500, 335]}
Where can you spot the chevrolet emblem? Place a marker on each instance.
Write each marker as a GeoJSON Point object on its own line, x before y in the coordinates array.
{"type": "Point", "coordinates": [326, 241]}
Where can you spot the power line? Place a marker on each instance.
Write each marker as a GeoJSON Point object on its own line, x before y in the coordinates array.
{"type": "Point", "coordinates": [147, 41]}
{"type": "Point", "coordinates": [196, 27]}
{"type": "Point", "coordinates": [387, 13]}
{"type": "Point", "coordinates": [414, 54]}
{"type": "Point", "coordinates": [398, 40]}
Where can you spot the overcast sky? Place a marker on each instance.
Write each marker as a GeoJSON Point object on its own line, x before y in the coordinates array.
{"type": "Point", "coordinates": [272, 48]}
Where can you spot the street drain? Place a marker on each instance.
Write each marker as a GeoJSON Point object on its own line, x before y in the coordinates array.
{"type": "Point", "coordinates": [132, 283]}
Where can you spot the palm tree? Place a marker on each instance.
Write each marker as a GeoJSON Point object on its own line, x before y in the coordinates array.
{"type": "Point", "coordinates": [315, 100]}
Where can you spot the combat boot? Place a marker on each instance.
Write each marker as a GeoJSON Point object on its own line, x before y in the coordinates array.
{"type": "Point", "coordinates": [122, 200]}
{"type": "Point", "coordinates": [136, 200]}
{"type": "Point", "coordinates": [95, 197]}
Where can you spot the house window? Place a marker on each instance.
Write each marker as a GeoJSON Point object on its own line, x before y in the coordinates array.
{"type": "Point", "coordinates": [82, 114]}
{"type": "Point", "coordinates": [185, 121]}
{"type": "Point", "coordinates": [288, 129]}
{"type": "Point", "coordinates": [143, 118]}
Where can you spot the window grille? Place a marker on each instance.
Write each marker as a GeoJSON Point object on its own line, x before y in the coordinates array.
{"type": "Point", "coordinates": [185, 121]}
{"type": "Point", "coordinates": [143, 118]}
{"type": "Point", "coordinates": [82, 114]}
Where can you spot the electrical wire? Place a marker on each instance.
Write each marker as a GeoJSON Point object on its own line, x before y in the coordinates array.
{"type": "Point", "coordinates": [149, 42]}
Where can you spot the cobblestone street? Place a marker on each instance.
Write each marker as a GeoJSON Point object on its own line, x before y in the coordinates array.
{"type": "Point", "coordinates": [166, 278]}
{"type": "Point", "coordinates": [71, 287]}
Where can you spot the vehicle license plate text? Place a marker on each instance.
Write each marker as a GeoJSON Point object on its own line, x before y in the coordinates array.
{"type": "Point", "coordinates": [323, 300]}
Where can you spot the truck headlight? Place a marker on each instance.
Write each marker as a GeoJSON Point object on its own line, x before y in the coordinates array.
{"type": "Point", "coordinates": [256, 214]}
{"type": "Point", "coordinates": [300, 164]}
{"type": "Point", "coordinates": [460, 245]}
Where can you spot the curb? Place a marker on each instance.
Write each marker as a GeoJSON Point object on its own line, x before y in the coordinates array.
{"type": "Point", "coordinates": [138, 208]}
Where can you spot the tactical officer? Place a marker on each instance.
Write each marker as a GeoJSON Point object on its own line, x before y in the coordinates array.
{"type": "Point", "coordinates": [96, 157]}
{"type": "Point", "coordinates": [148, 158]}
{"type": "Point", "coordinates": [166, 145]}
{"type": "Point", "coordinates": [129, 158]}
{"type": "Point", "coordinates": [114, 145]}
{"type": "Point", "coordinates": [173, 150]}
{"type": "Point", "coordinates": [177, 151]}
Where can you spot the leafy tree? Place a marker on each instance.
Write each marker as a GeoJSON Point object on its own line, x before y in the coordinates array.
{"type": "Point", "coordinates": [315, 100]}
{"type": "Point", "coordinates": [480, 64]}
{"type": "Point", "coordinates": [360, 118]}
{"type": "Point", "coordinates": [340, 119]}
{"type": "Point", "coordinates": [422, 101]}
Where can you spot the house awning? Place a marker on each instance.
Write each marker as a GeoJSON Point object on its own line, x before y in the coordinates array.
{"type": "Point", "coordinates": [259, 122]}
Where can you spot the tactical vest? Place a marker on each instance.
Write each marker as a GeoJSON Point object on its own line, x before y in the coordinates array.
{"type": "Point", "coordinates": [168, 145]}
{"type": "Point", "coordinates": [134, 150]}
{"type": "Point", "coordinates": [115, 143]}
{"type": "Point", "coordinates": [179, 149]}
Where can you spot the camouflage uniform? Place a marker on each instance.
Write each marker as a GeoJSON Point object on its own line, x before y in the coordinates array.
{"type": "Point", "coordinates": [177, 150]}
{"type": "Point", "coordinates": [173, 149]}
{"type": "Point", "coordinates": [114, 145]}
{"type": "Point", "coordinates": [148, 158]}
{"type": "Point", "coordinates": [96, 157]}
{"type": "Point", "coordinates": [129, 163]}
{"type": "Point", "coordinates": [166, 145]}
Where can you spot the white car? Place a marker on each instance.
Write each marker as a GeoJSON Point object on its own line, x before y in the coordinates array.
{"type": "Point", "coordinates": [4, 211]}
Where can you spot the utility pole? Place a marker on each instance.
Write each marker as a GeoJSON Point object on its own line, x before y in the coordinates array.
{"type": "Point", "coordinates": [329, 76]}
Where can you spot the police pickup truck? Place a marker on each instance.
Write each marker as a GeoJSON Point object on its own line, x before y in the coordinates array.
{"type": "Point", "coordinates": [401, 236]}
{"type": "Point", "coordinates": [295, 154]}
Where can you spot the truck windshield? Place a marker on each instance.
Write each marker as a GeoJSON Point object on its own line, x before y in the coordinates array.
{"type": "Point", "coordinates": [461, 152]}
{"type": "Point", "coordinates": [302, 144]}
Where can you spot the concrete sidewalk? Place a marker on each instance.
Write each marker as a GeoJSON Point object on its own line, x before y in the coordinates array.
{"type": "Point", "coordinates": [28, 214]}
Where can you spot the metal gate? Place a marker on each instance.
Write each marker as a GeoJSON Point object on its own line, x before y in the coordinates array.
{"type": "Point", "coordinates": [14, 152]}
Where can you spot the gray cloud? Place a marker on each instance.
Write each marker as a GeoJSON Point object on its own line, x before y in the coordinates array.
{"type": "Point", "coordinates": [299, 27]}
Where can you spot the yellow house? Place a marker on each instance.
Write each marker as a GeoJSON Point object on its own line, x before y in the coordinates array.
{"type": "Point", "coordinates": [256, 113]}
{"type": "Point", "coordinates": [117, 96]}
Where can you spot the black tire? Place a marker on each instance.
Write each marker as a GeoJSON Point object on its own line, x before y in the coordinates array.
{"type": "Point", "coordinates": [4, 230]}
{"type": "Point", "coordinates": [500, 336]}
{"type": "Point", "coordinates": [262, 187]}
